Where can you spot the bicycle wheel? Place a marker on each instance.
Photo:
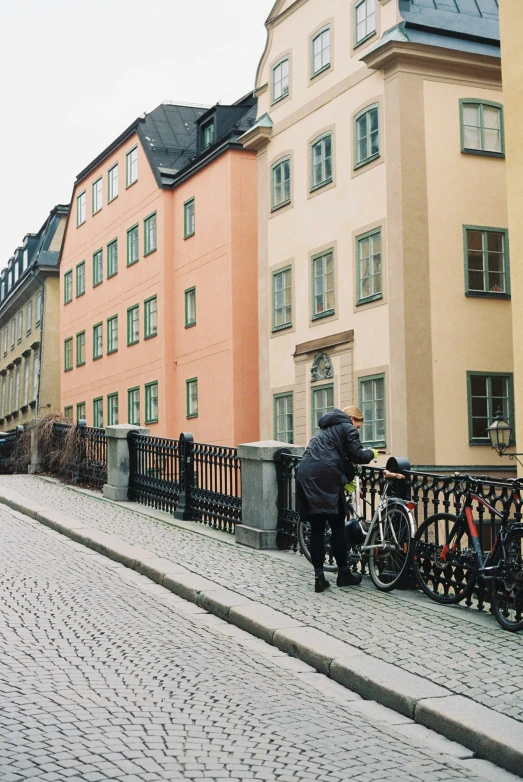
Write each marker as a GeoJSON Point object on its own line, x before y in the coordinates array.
{"type": "Point", "coordinates": [507, 587]}
{"type": "Point", "coordinates": [444, 563]}
{"type": "Point", "coordinates": [390, 556]}
{"type": "Point", "coordinates": [304, 539]}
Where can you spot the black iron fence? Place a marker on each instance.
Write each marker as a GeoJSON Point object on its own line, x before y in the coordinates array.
{"type": "Point", "coordinates": [8, 443]}
{"type": "Point", "coordinates": [154, 471]}
{"type": "Point", "coordinates": [78, 453]}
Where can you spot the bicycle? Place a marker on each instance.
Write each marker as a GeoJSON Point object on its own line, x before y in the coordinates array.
{"type": "Point", "coordinates": [387, 545]}
{"type": "Point", "coordinates": [449, 561]}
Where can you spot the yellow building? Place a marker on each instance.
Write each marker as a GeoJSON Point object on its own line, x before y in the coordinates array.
{"type": "Point", "coordinates": [384, 271]}
{"type": "Point", "coordinates": [29, 325]}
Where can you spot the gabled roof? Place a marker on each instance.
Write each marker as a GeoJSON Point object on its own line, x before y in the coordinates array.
{"type": "Point", "coordinates": [473, 19]}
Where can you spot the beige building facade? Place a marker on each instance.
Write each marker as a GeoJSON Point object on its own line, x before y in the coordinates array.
{"type": "Point", "coordinates": [384, 267]}
{"type": "Point", "coordinates": [30, 326]}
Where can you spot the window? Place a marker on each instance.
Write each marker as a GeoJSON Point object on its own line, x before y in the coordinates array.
{"type": "Point", "coordinates": [97, 195]}
{"type": "Point", "coordinates": [132, 245]}
{"type": "Point", "coordinates": [192, 397]}
{"type": "Point", "coordinates": [321, 161]}
{"type": "Point", "coordinates": [151, 403]}
{"type": "Point", "coordinates": [190, 307]}
{"type": "Point", "coordinates": [366, 136]}
{"type": "Point", "coordinates": [372, 403]}
{"type": "Point", "coordinates": [322, 402]}
{"type": "Point", "coordinates": [68, 413]}
{"type": "Point", "coordinates": [281, 183]}
{"type": "Point", "coordinates": [26, 259]}
{"type": "Point", "coordinates": [25, 397]}
{"type": "Point", "coordinates": [486, 262]}
{"type": "Point", "coordinates": [321, 51]}
{"type": "Point", "coordinates": [68, 287]}
{"type": "Point", "coordinates": [482, 128]}
{"type": "Point", "coordinates": [10, 393]}
{"type": "Point", "coordinates": [365, 20]}
{"type": "Point", "coordinates": [280, 80]}
{"type": "Point", "coordinates": [131, 166]}
{"type": "Point", "coordinates": [112, 183]}
{"type": "Point", "coordinates": [150, 317]}
{"type": "Point", "coordinates": [38, 307]}
{"type": "Point", "coordinates": [98, 412]}
{"type": "Point", "coordinates": [486, 395]}
{"type": "Point", "coordinates": [80, 411]}
{"type": "Point", "coordinates": [80, 279]}
{"type": "Point", "coordinates": [368, 269]}
{"type": "Point", "coordinates": [323, 285]}
{"type": "Point", "coordinates": [112, 334]}
{"type": "Point", "coordinates": [29, 315]}
{"type": "Point", "coordinates": [6, 340]}
{"type": "Point", "coordinates": [133, 325]}
{"type": "Point", "coordinates": [282, 299]}
{"type": "Point", "coordinates": [13, 333]}
{"type": "Point", "coordinates": [2, 403]}
{"type": "Point", "coordinates": [80, 209]}
{"type": "Point", "coordinates": [112, 258]}
{"type": "Point", "coordinates": [16, 399]}
{"type": "Point", "coordinates": [80, 349]}
{"type": "Point", "coordinates": [284, 418]}
{"type": "Point", "coordinates": [133, 406]}
{"type": "Point", "coordinates": [19, 325]}
{"type": "Point", "coordinates": [189, 223]}
{"type": "Point", "coordinates": [112, 409]}
{"type": "Point", "coordinates": [208, 133]}
{"type": "Point", "coordinates": [149, 231]}
{"type": "Point", "coordinates": [36, 372]}
{"type": "Point", "coordinates": [98, 267]}
{"type": "Point", "coordinates": [98, 341]}
{"type": "Point", "coordinates": [68, 354]}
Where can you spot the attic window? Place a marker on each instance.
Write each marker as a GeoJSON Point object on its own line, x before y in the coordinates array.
{"type": "Point", "coordinates": [208, 133]}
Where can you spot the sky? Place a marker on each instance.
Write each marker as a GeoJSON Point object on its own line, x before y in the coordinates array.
{"type": "Point", "coordinates": [75, 74]}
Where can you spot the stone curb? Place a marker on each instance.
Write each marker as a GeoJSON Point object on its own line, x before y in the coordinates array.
{"type": "Point", "coordinates": [493, 736]}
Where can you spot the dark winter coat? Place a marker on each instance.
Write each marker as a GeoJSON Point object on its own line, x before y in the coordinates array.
{"type": "Point", "coordinates": [327, 465]}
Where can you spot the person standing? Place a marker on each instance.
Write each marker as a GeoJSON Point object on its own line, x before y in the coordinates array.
{"type": "Point", "coordinates": [325, 467]}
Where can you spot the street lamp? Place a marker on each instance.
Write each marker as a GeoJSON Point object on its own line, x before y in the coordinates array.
{"type": "Point", "coordinates": [500, 432]}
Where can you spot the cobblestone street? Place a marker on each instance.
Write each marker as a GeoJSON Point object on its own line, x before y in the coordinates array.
{"type": "Point", "coordinates": [104, 675]}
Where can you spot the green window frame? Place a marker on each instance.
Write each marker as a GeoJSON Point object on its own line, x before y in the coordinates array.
{"type": "Point", "coordinates": [151, 402]}
{"type": "Point", "coordinates": [280, 80]}
{"type": "Point", "coordinates": [98, 341]}
{"type": "Point", "coordinates": [367, 135]}
{"type": "Point", "coordinates": [98, 268]}
{"type": "Point", "coordinates": [80, 411]}
{"type": "Point", "coordinates": [322, 401]}
{"type": "Point", "coordinates": [68, 413]}
{"type": "Point", "coordinates": [112, 409]}
{"type": "Point", "coordinates": [191, 389]}
{"type": "Point", "coordinates": [133, 245]}
{"type": "Point", "coordinates": [369, 270]}
{"type": "Point", "coordinates": [96, 191]}
{"type": "Point", "coordinates": [284, 417]}
{"type": "Point", "coordinates": [487, 266]}
{"type": "Point", "coordinates": [80, 279]}
{"type": "Point", "coordinates": [149, 234]}
{"type": "Point", "coordinates": [98, 412]}
{"type": "Point", "coordinates": [281, 183]}
{"type": "Point", "coordinates": [81, 208]}
{"type": "Point", "coordinates": [112, 258]}
{"type": "Point", "coordinates": [321, 51]}
{"type": "Point", "coordinates": [112, 183]}
{"type": "Point", "coordinates": [80, 349]}
{"type": "Point", "coordinates": [482, 127]}
{"type": "Point", "coordinates": [372, 401]}
{"type": "Point", "coordinates": [208, 133]}
{"type": "Point", "coordinates": [323, 285]}
{"type": "Point", "coordinates": [189, 219]}
{"type": "Point", "coordinates": [364, 21]}
{"type": "Point", "coordinates": [68, 354]}
{"type": "Point", "coordinates": [131, 167]}
{"type": "Point", "coordinates": [321, 161]}
{"type": "Point", "coordinates": [68, 287]}
{"type": "Point", "coordinates": [112, 334]}
{"type": "Point", "coordinates": [150, 317]}
{"type": "Point", "coordinates": [486, 393]}
{"type": "Point", "coordinates": [133, 324]}
{"type": "Point", "coordinates": [190, 307]}
{"type": "Point", "coordinates": [133, 405]}
{"type": "Point", "coordinates": [282, 299]}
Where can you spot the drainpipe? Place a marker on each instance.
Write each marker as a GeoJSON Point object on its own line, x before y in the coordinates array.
{"type": "Point", "coordinates": [40, 352]}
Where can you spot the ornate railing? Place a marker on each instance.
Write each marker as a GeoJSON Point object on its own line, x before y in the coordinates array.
{"type": "Point", "coordinates": [215, 496]}
{"type": "Point", "coordinates": [8, 443]}
{"type": "Point", "coordinates": [78, 453]}
{"type": "Point", "coordinates": [154, 471]}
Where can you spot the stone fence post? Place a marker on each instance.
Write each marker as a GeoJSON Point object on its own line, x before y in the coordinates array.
{"type": "Point", "coordinates": [35, 465]}
{"type": "Point", "coordinates": [118, 463]}
{"type": "Point", "coordinates": [260, 493]}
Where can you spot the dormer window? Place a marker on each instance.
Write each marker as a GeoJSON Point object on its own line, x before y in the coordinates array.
{"type": "Point", "coordinates": [26, 259]}
{"type": "Point", "coordinates": [208, 132]}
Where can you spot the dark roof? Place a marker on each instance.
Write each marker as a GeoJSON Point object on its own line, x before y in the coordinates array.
{"type": "Point", "coordinates": [43, 256]}
{"type": "Point", "coordinates": [474, 19]}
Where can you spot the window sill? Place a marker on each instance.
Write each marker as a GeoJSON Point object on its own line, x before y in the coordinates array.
{"type": "Point", "coordinates": [33, 403]}
{"type": "Point", "coordinates": [366, 161]}
{"type": "Point", "coordinates": [82, 364]}
{"type": "Point", "coordinates": [369, 299]}
{"type": "Point", "coordinates": [96, 284]}
{"type": "Point", "coordinates": [68, 369]}
{"type": "Point", "coordinates": [80, 294]}
{"type": "Point", "coordinates": [150, 336]}
{"type": "Point", "coordinates": [364, 40]}
{"type": "Point", "coordinates": [192, 415]}
{"type": "Point", "coordinates": [482, 152]}
{"type": "Point", "coordinates": [127, 186]}
{"type": "Point", "coordinates": [280, 98]}
{"type": "Point", "coordinates": [97, 212]}
{"type": "Point", "coordinates": [110, 352]}
{"type": "Point", "coordinates": [149, 252]}
{"type": "Point", "coordinates": [130, 344]}
{"type": "Point", "coordinates": [321, 184]}
{"type": "Point", "coordinates": [112, 275]}
{"type": "Point", "coordinates": [283, 327]}
{"type": "Point", "coordinates": [486, 442]}
{"type": "Point", "coordinates": [24, 408]}
{"type": "Point", "coordinates": [188, 236]}
{"type": "Point", "coordinates": [110, 200]}
{"type": "Point", "coordinates": [320, 71]}
{"type": "Point", "coordinates": [325, 314]}
{"type": "Point", "coordinates": [190, 325]}
{"type": "Point", "coordinates": [97, 358]}
{"type": "Point", "coordinates": [374, 444]}
{"type": "Point", "coordinates": [151, 421]}
{"type": "Point", "coordinates": [487, 295]}
{"type": "Point", "coordinates": [79, 225]}
{"type": "Point", "coordinates": [131, 263]}
{"type": "Point", "coordinates": [280, 206]}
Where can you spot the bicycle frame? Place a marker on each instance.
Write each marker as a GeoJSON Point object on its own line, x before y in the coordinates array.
{"type": "Point", "coordinates": [377, 519]}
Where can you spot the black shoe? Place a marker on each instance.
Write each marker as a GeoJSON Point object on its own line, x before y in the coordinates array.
{"type": "Point", "coordinates": [348, 578]}
{"type": "Point", "coordinates": [321, 584]}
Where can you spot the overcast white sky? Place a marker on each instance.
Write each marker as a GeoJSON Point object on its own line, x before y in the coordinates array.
{"type": "Point", "coordinates": [74, 74]}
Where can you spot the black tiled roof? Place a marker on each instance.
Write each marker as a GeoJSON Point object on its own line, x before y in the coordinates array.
{"type": "Point", "coordinates": [168, 135]}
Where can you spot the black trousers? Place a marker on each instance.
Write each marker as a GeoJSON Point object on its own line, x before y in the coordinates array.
{"type": "Point", "coordinates": [338, 542]}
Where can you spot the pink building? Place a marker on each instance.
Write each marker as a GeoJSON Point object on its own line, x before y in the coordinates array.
{"type": "Point", "coordinates": [158, 279]}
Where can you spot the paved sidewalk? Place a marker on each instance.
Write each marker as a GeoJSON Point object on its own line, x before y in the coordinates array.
{"type": "Point", "coordinates": [415, 654]}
